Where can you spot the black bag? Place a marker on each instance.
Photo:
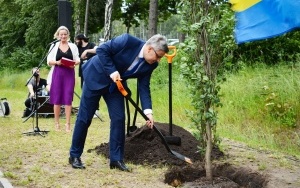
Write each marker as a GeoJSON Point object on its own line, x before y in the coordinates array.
{"type": "Point", "coordinates": [27, 112]}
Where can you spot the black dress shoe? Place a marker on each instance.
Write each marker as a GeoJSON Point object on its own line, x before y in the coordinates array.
{"type": "Point", "coordinates": [119, 165]}
{"type": "Point", "coordinates": [76, 162]}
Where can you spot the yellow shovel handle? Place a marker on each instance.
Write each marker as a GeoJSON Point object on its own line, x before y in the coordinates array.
{"type": "Point", "coordinates": [170, 56]}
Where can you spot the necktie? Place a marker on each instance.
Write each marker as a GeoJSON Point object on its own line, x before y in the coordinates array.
{"type": "Point", "coordinates": [132, 69]}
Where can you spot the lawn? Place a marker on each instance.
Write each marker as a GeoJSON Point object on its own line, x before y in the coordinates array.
{"type": "Point", "coordinates": [42, 161]}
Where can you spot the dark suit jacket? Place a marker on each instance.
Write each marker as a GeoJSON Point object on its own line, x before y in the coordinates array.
{"type": "Point", "coordinates": [117, 55]}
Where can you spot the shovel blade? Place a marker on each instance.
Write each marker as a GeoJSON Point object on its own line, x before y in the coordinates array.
{"type": "Point", "coordinates": [178, 155]}
{"type": "Point", "coordinates": [184, 158]}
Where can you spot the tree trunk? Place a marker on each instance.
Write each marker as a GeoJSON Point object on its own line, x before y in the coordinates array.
{"type": "Point", "coordinates": [208, 165]}
{"type": "Point", "coordinates": [152, 27]}
{"type": "Point", "coordinates": [107, 24]}
{"type": "Point", "coordinates": [77, 25]}
{"type": "Point", "coordinates": [86, 16]}
{"type": "Point", "coordinates": [77, 21]}
{"type": "Point", "coordinates": [181, 37]}
{"type": "Point", "coordinates": [208, 129]}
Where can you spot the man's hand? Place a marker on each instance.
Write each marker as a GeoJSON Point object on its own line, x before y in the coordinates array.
{"type": "Point", "coordinates": [83, 55]}
{"type": "Point", "coordinates": [150, 122]}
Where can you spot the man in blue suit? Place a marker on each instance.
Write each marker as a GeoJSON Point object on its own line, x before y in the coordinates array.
{"type": "Point", "coordinates": [121, 58]}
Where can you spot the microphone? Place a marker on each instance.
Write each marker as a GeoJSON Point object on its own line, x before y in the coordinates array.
{"type": "Point", "coordinates": [55, 41]}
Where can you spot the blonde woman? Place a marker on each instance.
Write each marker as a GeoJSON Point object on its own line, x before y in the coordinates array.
{"type": "Point", "coordinates": [62, 78]}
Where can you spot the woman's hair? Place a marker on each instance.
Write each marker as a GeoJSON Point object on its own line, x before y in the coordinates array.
{"type": "Point", "coordinates": [56, 34]}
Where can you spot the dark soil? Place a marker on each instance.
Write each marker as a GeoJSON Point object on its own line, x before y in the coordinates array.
{"type": "Point", "coordinates": [144, 146]}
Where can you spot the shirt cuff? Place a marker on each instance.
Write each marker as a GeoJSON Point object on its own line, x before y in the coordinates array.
{"type": "Point", "coordinates": [112, 74]}
{"type": "Point", "coordinates": [147, 111]}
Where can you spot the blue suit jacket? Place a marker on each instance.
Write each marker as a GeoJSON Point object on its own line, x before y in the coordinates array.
{"type": "Point", "coordinates": [117, 55]}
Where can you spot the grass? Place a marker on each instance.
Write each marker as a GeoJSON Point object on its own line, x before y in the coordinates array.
{"type": "Point", "coordinates": [35, 161]}
{"type": "Point", "coordinates": [244, 116]}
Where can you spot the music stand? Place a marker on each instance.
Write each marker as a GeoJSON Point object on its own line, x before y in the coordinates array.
{"type": "Point", "coordinates": [36, 129]}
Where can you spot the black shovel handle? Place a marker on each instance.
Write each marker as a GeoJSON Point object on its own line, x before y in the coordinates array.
{"type": "Point", "coordinates": [127, 96]}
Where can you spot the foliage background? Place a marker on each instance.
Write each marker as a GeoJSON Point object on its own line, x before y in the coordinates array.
{"type": "Point", "coordinates": [27, 26]}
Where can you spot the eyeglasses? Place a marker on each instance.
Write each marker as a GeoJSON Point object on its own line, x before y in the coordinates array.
{"type": "Point", "coordinates": [157, 56]}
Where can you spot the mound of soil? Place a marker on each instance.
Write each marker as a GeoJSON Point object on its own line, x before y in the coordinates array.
{"type": "Point", "coordinates": [144, 146]}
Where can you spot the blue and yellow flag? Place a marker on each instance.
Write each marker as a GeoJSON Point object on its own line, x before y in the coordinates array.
{"type": "Point", "coordinates": [261, 19]}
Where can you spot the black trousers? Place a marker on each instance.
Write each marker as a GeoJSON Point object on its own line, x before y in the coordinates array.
{"type": "Point", "coordinates": [29, 102]}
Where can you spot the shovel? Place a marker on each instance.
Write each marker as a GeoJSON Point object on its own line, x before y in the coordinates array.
{"type": "Point", "coordinates": [175, 140]}
{"type": "Point", "coordinates": [133, 127]}
{"type": "Point", "coordinates": [127, 96]}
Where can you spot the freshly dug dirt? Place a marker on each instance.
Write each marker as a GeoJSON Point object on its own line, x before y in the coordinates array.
{"type": "Point", "coordinates": [225, 176]}
{"type": "Point", "coordinates": [144, 146]}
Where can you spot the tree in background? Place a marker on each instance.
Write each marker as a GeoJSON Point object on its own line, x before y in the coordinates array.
{"type": "Point", "coordinates": [86, 16]}
{"type": "Point", "coordinates": [133, 13]}
{"type": "Point", "coordinates": [27, 27]}
{"type": "Point", "coordinates": [208, 47]}
{"type": "Point", "coordinates": [108, 13]}
{"type": "Point", "coordinates": [25, 24]}
{"type": "Point", "coordinates": [26, 33]}
{"type": "Point", "coordinates": [152, 26]}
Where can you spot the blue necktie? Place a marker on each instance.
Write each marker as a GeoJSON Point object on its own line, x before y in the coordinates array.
{"type": "Point", "coordinates": [134, 68]}
{"type": "Point", "coordinates": [127, 73]}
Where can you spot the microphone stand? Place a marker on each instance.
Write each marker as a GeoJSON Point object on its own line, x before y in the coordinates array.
{"type": "Point", "coordinates": [36, 129]}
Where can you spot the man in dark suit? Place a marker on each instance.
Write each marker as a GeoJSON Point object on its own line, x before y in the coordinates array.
{"type": "Point", "coordinates": [121, 58]}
